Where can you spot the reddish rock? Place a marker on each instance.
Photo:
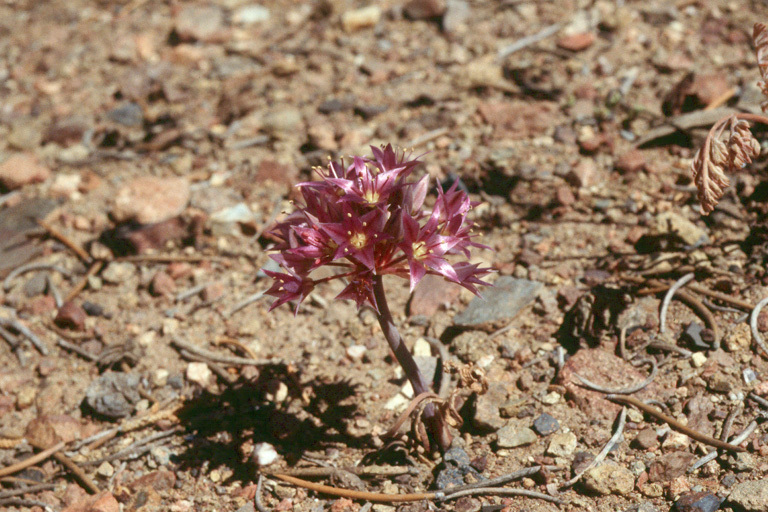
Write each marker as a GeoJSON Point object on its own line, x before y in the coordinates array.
{"type": "Point", "coordinates": [73, 493]}
{"type": "Point", "coordinates": [670, 466]}
{"type": "Point", "coordinates": [22, 169]}
{"type": "Point", "coordinates": [156, 236]}
{"type": "Point", "coordinates": [564, 196]}
{"type": "Point", "coordinates": [631, 162]}
{"type": "Point", "coordinates": [179, 269]}
{"type": "Point", "coordinates": [49, 429]}
{"type": "Point", "coordinates": [646, 439]}
{"type": "Point", "coordinates": [102, 502]}
{"type": "Point", "coordinates": [343, 505]}
{"type": "Point", "coordinates": [695, 91]}
{"type": "Point", "coordinates": [604, 369]}
{"type": "Point", "coordinates": [583, 174]}
{"type": "Point", "coordinates": [576, 42]}
{"type": "Point", "coordinates": [635, 233]}
{"type": "Point", "coordinates": [431, 294]}
{"type": "Point", "coordinates": [149, 199]}
{"type": "Point", "coordinates": [424, 9]}
{"type": "Point", "coordinates": [269, 170]}
{"type": "Point", "coordinates": [162, 285]}
{"type": "Point", "coordinates": [518, 119]}
{"type": "Point", "coordinates": [71, 316]}
{"type": "Point", "coordinates": [213, 291]}
{"type": "Point", "coordinates": [40, 305]}
{"type": "Point", "coordinates": [161, 480]}
{"type": "Point", "coordinates": [201, 23]}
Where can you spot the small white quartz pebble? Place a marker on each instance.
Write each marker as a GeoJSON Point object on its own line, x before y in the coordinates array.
{"type": "Point", "coordinates": [356, 352]}
{"type": "Point", "coordinates": [199, 373]}
{"type": "Point", "coordinates": [698, 359]}
{"type": "Point", "coordinates": [264, 454]}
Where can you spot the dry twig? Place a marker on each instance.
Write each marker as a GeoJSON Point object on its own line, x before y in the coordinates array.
{"type": "Point", "coordinates": [625, 391]}
{"type": "Point", "coordinates": [604, 452]}
{"type": "Point", "coordinates": [753, 325]}
{"type": "Point", "coordinates": [71, 244]}
{"type": "Point", "coordinates": [8, 281]}
{"type": "Point", "coordinates": [31, 461]}
{"type": "Point", "coordinates": [674, 424]}
{"type": "Point", "coordinates": [213, 356]}
{"type": "Point", "coordinates": [23, 329]}
{"type": "Point", "coordinates": [668, 298]}
{"type": "Point", "coordinates": [80, 286]}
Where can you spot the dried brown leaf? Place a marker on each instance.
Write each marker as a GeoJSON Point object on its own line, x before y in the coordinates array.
{"type": "Point", "coordinates": [760, 38]}
{"type": "Point", "coordinates": [710, 180]}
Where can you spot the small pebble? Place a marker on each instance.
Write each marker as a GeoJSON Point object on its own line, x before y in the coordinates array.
{"type": "Point", "coordinates": [562, 445]}
{"type": "Point", "coordinates": [199, 373]}
{"type": "Point", "coordinates": [511, 437]}
{"type": "Point", "coordinates": [356, 352]}
{"type": "Point", "coordinates": [698, 359]}
{"type": "Point", "coordinates": [545, 425]}
{"type": "Point", "coordinates": [264, 454]}
{"type": "Point", "coordinates": [105, 469]}
{"type": "Point", "coordinates": [697, 502]}
{"type": "Point", "coordinates": [113, 394]}
{"type": "Point", "coordinates": [71, 316]}
{"type": "Point", "coordinates": [361, 18]}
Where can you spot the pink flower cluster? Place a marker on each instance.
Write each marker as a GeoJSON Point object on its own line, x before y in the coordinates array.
{"type": "Point", "coordinates": [368, 220]}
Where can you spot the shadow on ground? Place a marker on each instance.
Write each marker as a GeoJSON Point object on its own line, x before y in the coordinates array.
{"type": "Point", "coordinates": [219, 425]}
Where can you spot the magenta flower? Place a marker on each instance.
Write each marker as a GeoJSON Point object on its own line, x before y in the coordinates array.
{"type": "Point", "coordinates": [367, 220]}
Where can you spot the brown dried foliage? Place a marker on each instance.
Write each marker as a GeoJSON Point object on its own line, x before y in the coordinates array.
{"type": "Point", "coordinates": [719, 156]}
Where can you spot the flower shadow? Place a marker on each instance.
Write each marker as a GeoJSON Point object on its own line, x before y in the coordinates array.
{"type": "Point", "coordinates": [221, 428]}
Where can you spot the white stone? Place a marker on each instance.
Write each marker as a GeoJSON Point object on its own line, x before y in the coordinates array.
{"type": "Point", "coordinates": [675, 441]}
{"type": "Point", "coordinates": [698, 359]}
{"type": "Point", "coordinates": [199, 373]}
{"type": "Point", "coordinates": [551, 398]}
{"type": "Point", "coordinates": [356, 352]}
{"type": "Point", "coordinates": [160, 377]}
{"type": "Point", "coordinates": [422, 348]}
{"type": "Point", "coordinates": [147, 338]}
{"type": "Point", "coordinates": [118, 273]}
{"type": "Point", "coordinates": [251, 14]}
{"type": "Point", "coordinates": [264, 454]}
{"type": "Point", "coordinates": [562, 445]}
{"type": "Point", "coordinates": [361, 18]}
{"type": "Point", "coordinates": [396, 403]}
{"type": "Point", "coordinates": [105, 469]}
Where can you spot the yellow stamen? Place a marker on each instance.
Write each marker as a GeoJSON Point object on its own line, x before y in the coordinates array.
{"type": "Point", "coordinates": [420, 250]}
{"type": "Point", "coordinates": [358, 240]}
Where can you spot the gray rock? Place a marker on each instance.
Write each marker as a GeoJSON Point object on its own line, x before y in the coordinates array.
{"type": "Point", "coordinates": [456, 14]}
{"type": "Point", "coordinates": [471, 346]}
{"type": "Point", "coordinates": [697, 502]}
{"type": "Point", "coordinates": [201, 23]}
{"type": "Point", "coordinates": [128, 114]}
{"type": "Point", "coordinates": [36, 285]}
{"type": "Point", "coordinates": [487, 417]}
{"type": "Point", "coordinates": [642, 507]}
{"type": "Point", "coordinates": [545, 425]}
{"type": "Point", "coordinates": [25, 135]}
{"type": "Point", "coordinates": [113, 394]}
{"type": "Point", "coordinates": [750, 496]}
{"type": "Point", "coordinates": [282, 123]}
{"type": "Point", "coordinates": [671, 223]}
{"type": "Point", "coordinates": [512, 436]}
{"type": "Point", "coordinates": [502, 301]}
